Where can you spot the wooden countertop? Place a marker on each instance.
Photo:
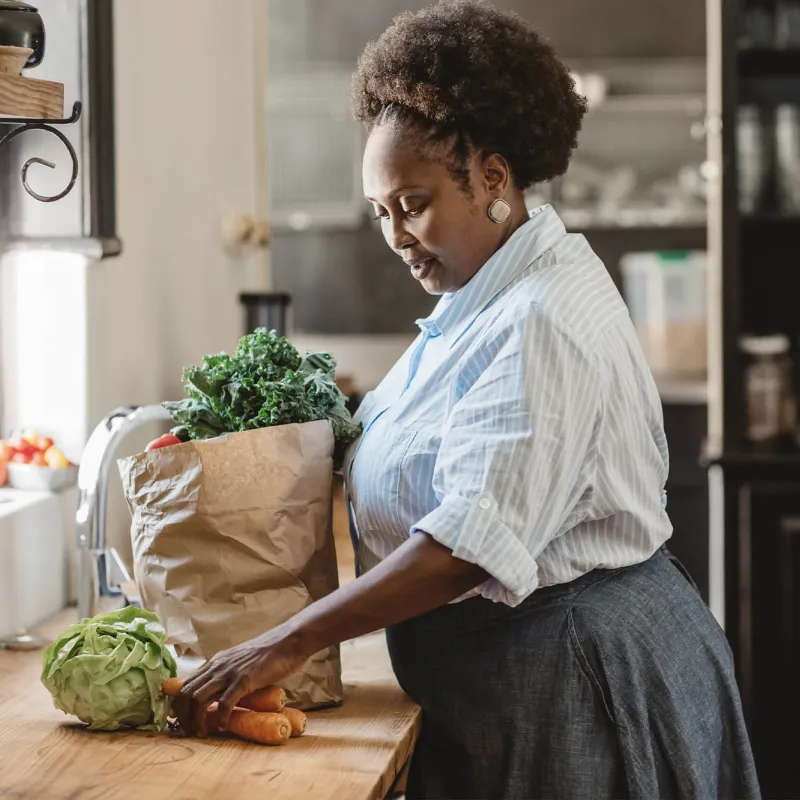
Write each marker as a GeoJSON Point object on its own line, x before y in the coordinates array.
{"type": "Point", "coordinates": [348, 753]}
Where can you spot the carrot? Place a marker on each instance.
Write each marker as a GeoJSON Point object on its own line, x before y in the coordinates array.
{"type": "Point", "coordinates": [256, 726]}
{"type": "Point", "coordinates": [172, 686]}
{"type": "Point", "coordinates": [272, 698]}
{"type": "Point", "coordinates": [297, 719]}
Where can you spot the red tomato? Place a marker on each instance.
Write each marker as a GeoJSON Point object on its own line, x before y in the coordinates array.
{"type": "Point", "coordinates": [44, 443]}
{"type": "Point", "coordinates": [22, 446]}
{"type": "Point", "coordinates": [167, 440]}
{"type": "Point", "coordinates": [3, 473]}
{"type": "Point", "coordinates": [21, 457]}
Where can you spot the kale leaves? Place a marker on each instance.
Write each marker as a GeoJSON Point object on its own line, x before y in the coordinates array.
{"type": "Point", "coordinates": [265, 383]}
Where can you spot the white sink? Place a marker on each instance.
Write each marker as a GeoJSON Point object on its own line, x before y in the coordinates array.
{"type": "Point", "coordinates": [11, 499]}
{"type": "Point", "coordinates": [34, 535]}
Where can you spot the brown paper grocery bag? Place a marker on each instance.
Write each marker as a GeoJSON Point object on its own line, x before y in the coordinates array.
{"type": "Point", "coordinates": [232, 536]}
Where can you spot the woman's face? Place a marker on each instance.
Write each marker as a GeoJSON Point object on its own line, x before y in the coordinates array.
{"type": "Point", "coordinates": [443, 235]}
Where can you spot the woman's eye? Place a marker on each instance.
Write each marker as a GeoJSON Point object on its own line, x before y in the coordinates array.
{"type": "Point", "coordinates": [381, 215]}
{"type": "Point", "coordinates": [414, 212]}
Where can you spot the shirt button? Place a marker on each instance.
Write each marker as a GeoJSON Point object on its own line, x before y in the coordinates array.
{"type": "Point", "coordinates": [485, 503]}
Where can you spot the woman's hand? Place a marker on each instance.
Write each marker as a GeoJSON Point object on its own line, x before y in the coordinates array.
{"type": "Point", "coordinates": [231, 674]}
{"type": "Point", "coordinates": [419, 576]}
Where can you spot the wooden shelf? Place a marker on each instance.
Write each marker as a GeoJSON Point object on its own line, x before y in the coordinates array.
{"type": "Point", "coordinates": [763, 62]}
{"type": "Point", "coordinates": [28, 97]}
{"type": "Point", "coordinates": [678, 392]}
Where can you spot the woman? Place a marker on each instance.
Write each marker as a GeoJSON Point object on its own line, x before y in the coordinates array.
{"type": "Point", "coordinates": [507, 495]}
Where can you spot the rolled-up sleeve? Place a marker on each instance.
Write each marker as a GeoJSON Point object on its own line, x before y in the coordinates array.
{"type": "Point", "coordinates": [516, 462]}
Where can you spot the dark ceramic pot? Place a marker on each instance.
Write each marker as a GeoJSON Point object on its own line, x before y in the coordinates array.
{"type": "Point", "coordinates": [22, 26]}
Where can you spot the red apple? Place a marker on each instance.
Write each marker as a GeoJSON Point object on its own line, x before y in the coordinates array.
{"type": "Point", "coordinates": [167, 440]}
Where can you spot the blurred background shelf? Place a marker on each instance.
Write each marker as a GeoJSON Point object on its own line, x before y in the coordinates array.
{"type": "Point", "coordinates": [619, 219]}
{"type": "Point", "coordinates": [753, 459]}
{"type": "Point", "coordinates": [690, 104]}
{"type": "Point", "coordinates": [682, 392]}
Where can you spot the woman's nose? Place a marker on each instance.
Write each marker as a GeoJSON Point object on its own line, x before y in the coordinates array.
{"type": "Point", "coordinates": [400, 238]}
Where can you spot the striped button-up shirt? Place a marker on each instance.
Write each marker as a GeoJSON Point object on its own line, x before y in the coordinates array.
{"type": "Point", "coordinates": [522, 429]}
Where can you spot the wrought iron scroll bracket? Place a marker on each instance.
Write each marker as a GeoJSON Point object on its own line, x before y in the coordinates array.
{"type": "Point", "coordinates": [31, 124]}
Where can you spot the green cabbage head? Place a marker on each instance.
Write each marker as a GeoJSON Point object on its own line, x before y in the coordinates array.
{"type": "Point", "coordinates": [108, 671]}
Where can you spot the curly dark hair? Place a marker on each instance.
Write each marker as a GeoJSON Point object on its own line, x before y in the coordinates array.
{"type": "Point", "coordinates": [478, 77]}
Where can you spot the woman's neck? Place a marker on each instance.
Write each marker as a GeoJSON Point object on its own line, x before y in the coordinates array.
{"type": "Point", "coordinates": [519, 216]}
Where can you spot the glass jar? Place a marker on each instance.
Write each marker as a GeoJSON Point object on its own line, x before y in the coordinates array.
{"type": "Point", "coordinates": [753, 154]}
{"type": "Point", "coordinates": [787, 24]}
{"type": "Point", "coordinates": [757, 23]}
{"type": "Point", "coordinates": [768, 385]}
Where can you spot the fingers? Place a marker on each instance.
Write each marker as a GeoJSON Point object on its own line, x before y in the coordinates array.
{"type": "Point", "coordinates": [201, 700]}
{"type": "Point", "coordinates": [191, 705]}
{"type": "Point", "coordinates": [227, 677]}
{"type": "Point", "coordinates": [230, 697]}
{"type": "Point", "coordinates": [194, 682]}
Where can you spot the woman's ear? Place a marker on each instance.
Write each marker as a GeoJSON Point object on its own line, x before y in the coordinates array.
{"type": "Point", "coordinates": [496, 174]}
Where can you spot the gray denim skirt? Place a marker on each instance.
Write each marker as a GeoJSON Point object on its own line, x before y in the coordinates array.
{"type": "Point", "coordinates": [619, 684]}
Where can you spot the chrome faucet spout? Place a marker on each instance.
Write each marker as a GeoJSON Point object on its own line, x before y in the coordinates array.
{"type": "Point", "coordinates": [96, 561]}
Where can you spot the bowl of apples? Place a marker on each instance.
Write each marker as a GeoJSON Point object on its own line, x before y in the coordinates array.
{"type": "Point", "coordinates": [33, 463]}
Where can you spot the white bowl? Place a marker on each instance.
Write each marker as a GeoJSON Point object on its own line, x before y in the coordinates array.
{"type": "Point", "coordinates": [33, 478]}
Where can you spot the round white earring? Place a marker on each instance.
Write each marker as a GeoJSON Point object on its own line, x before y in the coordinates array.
{"type": "Point", "coordinates": [499, 210]}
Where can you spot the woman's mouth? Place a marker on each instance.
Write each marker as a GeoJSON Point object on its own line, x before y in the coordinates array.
{"type": "Point", "coordinates": [422, 270]}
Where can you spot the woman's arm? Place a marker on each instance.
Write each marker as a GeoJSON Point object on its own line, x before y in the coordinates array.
{"type": "Point", "coordinates": [419, 576]}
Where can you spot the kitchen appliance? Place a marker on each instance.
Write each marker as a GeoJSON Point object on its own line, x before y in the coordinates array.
{"type": "Point", "coordinates": [268, 310]}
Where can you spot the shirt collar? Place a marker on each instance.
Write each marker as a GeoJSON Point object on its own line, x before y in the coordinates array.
{"type": "Point", "coordinates": [455, 312]}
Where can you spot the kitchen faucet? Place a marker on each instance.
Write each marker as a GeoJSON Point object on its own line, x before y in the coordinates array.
{"type": "Point", "coordinates": [97, 591]}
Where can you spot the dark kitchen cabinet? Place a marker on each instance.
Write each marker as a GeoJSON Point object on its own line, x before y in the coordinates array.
{"type": "Point", "coordinates": [754, 289]}
{"type": "Point", "coordinates": [763, 520]}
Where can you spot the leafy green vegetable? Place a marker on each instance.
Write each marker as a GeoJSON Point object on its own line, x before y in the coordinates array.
{"type": "Point", "coordinates": [265, 383]}
{"type": "Point", "coordinates": [108, 671]}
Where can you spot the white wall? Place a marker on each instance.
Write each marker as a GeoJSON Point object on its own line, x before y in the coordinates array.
{"type": "Point", "coordinates": [191, 148]}
{"type": "Point", "coordinates": [187, 153]}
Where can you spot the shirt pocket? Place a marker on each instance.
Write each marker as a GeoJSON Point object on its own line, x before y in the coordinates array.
{"type": "Point", "coordinates": [375, 479]}
{"type": "Point", "coordinates": [414, 496]}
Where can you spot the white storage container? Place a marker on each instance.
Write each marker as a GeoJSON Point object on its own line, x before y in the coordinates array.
{"type": "Point", "coordinates": [666, 294]}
